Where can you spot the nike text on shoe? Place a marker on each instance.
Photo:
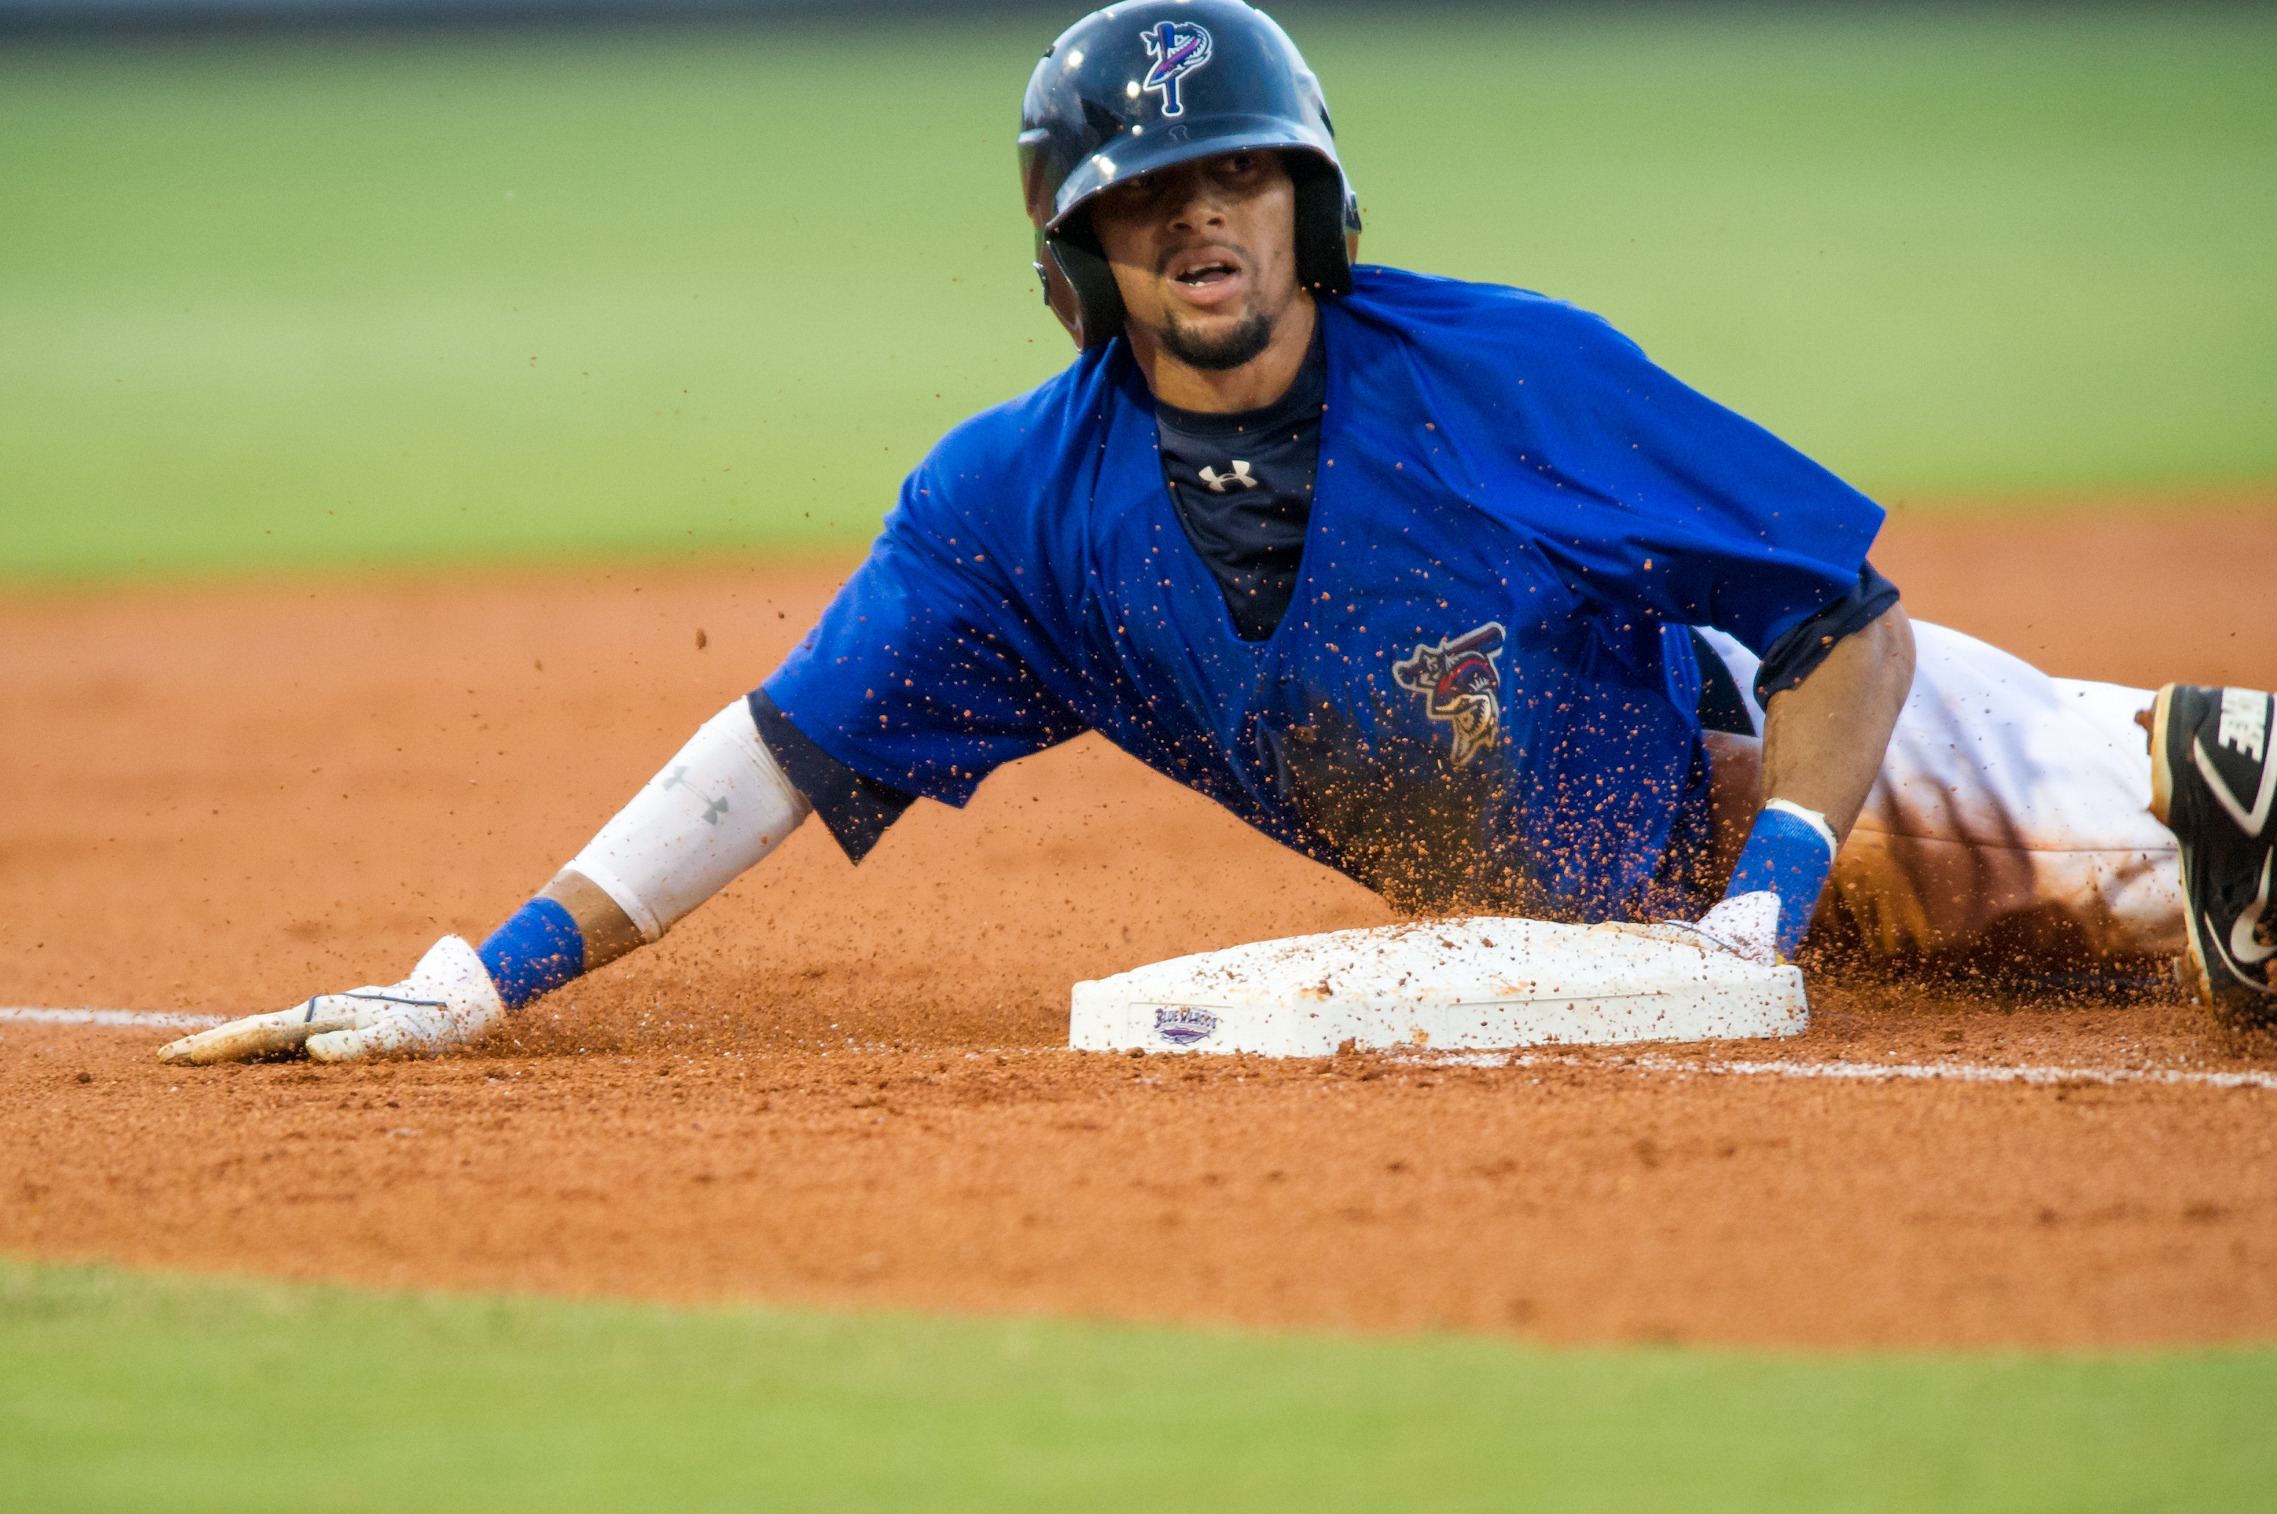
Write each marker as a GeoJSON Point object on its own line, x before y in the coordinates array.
{"type": "Point", "coordinates": [2214, 784]}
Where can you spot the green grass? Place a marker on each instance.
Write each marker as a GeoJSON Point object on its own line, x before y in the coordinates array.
{"type": "Point", "coordinates": [125, 1391]}
{"type": "Point", "coordinates": [266, 304]}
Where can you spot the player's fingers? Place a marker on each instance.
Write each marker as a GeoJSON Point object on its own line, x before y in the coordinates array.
{"type": "Point", "coordinates": [235, 1042]}
{"type": "Point", "coordinates": [256, 1035]}
{"type": "Point", "coordinates": [337, 1046]}
{"type": "Point", "coordinates": [384, 1037]}
{"type": "Point", "coordinates": [266, 1035]}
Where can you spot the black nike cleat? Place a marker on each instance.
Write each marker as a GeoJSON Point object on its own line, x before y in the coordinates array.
{"type": "Point", "coordinates": [2214, 784]}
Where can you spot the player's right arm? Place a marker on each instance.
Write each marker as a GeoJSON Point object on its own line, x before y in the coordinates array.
{"type": "Point", "coordinates": [715, 810]}
{"type": "Point", "coordinates": [942, 658]}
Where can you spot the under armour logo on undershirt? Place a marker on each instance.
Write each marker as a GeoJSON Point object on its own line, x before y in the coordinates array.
{"type": "Point", "coordinates": [1240, 475]}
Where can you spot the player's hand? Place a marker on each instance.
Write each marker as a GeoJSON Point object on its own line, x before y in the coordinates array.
{"type": "Point", "coordinates": [448, 999]}
{"type": "Point", "coordinates": [1747, 924]}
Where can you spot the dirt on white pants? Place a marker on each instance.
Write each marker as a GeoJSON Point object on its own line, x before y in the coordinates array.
{"type": "Point", "coordinates": [2011, 808]}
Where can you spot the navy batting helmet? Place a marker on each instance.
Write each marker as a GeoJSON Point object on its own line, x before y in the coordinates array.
{"type": "Point", "coordinates": [1145, 85]}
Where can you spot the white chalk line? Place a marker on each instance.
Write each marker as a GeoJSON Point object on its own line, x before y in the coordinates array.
{"type": "Point", "coordinates": [154, 1019]}
{"type": "Point", "coordinates": [1874, 1072]}
{"type": "Point", "coordinates": [1863, 1072]}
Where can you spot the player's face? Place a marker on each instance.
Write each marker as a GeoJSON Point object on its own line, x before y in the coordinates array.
{"type": "Point", "coordinates": [1205, 254]}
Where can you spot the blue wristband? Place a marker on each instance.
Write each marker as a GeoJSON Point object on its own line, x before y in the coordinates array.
{"type": "Point", "coordinates": [1791, 856]}
{"type": "Point", "coordinates": [534, 953]}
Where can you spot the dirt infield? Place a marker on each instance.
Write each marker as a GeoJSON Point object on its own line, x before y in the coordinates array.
{"type": "Point", "coordinates": [835, 1085]}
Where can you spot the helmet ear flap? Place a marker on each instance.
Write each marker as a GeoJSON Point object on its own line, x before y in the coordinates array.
{"type": "Point", "coordinates": [1328, 225]}
{"type": "Point", "coordinates": [1080, 287]}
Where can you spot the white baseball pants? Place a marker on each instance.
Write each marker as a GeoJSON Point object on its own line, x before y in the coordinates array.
{"type": "Point", "coordinates": [2011, 806]}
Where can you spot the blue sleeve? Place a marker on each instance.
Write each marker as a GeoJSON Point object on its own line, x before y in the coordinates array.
{"type": "Point", "coordinates": [1660, 500]}
{"type": "Point", "coordinates": [922, 675]}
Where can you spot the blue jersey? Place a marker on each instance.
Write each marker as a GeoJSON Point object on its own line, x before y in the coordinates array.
{"type": "Point", "coordinates": [1482, 694]}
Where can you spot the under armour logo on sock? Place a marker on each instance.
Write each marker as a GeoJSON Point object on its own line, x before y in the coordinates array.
{"type": "Point", "coordinates": [1240, 475]}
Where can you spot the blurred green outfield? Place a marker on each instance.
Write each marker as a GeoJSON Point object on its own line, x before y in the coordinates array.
{"type": "Point", "coordinates": [126, 1392]}
{"type": "Point", "coordinates": [494, 297]}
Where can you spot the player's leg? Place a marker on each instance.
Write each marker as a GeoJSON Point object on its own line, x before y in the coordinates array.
{"type": "Point", "coordinates": [2010, 804]}
{"type": "Point", "coordinates": [2214, 781]}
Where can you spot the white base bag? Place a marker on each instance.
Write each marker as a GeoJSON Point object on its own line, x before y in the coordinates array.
{"type": "Point", "coordinates": [1478, 984]}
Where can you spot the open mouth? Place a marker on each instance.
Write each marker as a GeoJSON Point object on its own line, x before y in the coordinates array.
{"type": "Point", "coordinates": [1205, 273]}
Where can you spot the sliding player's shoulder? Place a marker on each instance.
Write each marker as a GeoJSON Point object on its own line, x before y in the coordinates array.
{"type": "Point", "coordinates": [1024, 439]}
{"type": "Point", "coordinates": [1462, 317]}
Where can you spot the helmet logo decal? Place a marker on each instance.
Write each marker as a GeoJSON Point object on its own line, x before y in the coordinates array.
{"type": "Point", "coordinates": [1177, 48]}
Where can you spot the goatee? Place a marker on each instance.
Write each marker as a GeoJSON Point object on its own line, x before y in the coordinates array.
{"type": "Point", "coordinates": [1248, 337]}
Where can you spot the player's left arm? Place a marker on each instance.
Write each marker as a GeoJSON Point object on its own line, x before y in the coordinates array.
{"type": "Point", "coordinates": [1823, 740]}
{"type": "Point", "coordinates": [1824, 737]}
{"type": "Point", "coordinates": [1708, 519]}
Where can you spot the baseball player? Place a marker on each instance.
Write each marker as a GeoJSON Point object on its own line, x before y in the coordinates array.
{"type": "Point", "coordinates": [1444, 585]}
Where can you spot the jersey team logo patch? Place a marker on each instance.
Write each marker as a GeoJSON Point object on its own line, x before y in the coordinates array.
{"type": "Point", "coordinates": [1460, 686]}
{"type": "Point", "coordinates": [1177, 48]}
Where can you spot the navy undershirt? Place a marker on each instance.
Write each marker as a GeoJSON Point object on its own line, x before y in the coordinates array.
{"type": "Point", "coordinates": [1796, 655]}
{"type": "Point", "coordinates": [1242, 484]}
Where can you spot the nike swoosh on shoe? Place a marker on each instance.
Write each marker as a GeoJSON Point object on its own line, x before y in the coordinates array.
{"type": "Point", "coordinates": [2251, 821]}
{"type": "Point", "coordinates": [2245, 942]}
